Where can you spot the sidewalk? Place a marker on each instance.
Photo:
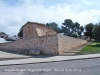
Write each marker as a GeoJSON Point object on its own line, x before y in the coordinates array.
{"type": "Point", "coordinates": [45, 59]}
{"type": "Point", "coordinates": [12, 55]}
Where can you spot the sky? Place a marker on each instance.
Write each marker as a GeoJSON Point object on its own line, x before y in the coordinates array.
{"type": "Point", "coordinates": [15, 13]}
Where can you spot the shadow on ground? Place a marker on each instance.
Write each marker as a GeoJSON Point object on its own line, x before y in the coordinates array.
{"type": "Point", "coordinates": [97, 45]}
{"type": "Point", "coordinates": [30, 56]}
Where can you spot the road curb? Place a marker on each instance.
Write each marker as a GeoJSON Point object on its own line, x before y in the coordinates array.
{"type": "Point", "coordinates": [50, 61]}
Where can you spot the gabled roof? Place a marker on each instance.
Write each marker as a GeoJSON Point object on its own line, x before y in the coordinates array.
{"type": "Point", "coordinates": [40, 24]}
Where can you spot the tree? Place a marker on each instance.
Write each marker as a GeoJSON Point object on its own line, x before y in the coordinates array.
{"type": "Point", "coordinates": [96, 32]}
{"type": "Point", "coordinates": [20, 34]}
{"type": "Point", "coordinates": [86, 34]}
{"type": "Point", "coordinates": [78, 29]}
{"type": "Point", "coordinates": [79, 33]}
{"type": "Point", "coordinates": [54, 26]}
{"type": "Point", "coordinates": [89, 28]}
{"type": "Point", "coordinates": [70, 28]}
{"type": "Point", "coordinates": [2, 33]}
{"type": "Point", "coordinates": [76, 26]}
{"type": "Point", "coordinates": [81, 29]}
{"type": "Point", "coordinates": [67, 27]}
{"type": "Point", "coordinates": [74, 35]}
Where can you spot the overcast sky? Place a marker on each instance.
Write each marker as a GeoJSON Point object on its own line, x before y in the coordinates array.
{"type": "Point", "coordinates": [15, 13]}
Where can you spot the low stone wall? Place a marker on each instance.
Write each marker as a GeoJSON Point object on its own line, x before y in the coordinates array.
{"type": "Point", "coordinates": [47, 44]}
{"type": "Point", "coordinates": [66, 43]}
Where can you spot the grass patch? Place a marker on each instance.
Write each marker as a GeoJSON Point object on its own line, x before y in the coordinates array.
{"type": "Point", "coordinates": [90, 49]}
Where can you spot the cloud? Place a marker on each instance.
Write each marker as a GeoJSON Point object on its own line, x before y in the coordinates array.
{"type": "Point", "coordinates": [15, 16]}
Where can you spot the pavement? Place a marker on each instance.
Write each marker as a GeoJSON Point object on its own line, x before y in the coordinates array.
{"type": "Point", "coordinates": [76, 67]}
{"type": "Point", "coordinates": [47, 59]}
{"type": "Point", "coordinates": [4, 55]}
{"type": "Point", "coordinates": [8, 58]}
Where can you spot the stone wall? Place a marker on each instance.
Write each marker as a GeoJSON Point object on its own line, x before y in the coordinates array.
{"type": "Point", "coordinates": [47, 44]}
{"type": "Point", "coordinates": [66, 43]}
{"type": "Point", "coordinates": [31, 29]}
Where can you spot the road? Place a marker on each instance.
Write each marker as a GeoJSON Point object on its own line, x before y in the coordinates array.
{"type": "Point", "coordinates": [75, 67]}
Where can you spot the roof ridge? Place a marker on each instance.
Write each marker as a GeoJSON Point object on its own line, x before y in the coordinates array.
{"type": "Point", "coordinates": [39, 24]}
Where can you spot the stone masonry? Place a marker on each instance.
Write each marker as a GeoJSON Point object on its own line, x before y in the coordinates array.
{"type": "Point", "coordinates": [40, 37]}
{"type": "Point", "coordinates": [31, 29]}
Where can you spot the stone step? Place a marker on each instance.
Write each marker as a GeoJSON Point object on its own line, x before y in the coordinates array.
{"type": "Point", "coordinates": [68, 54]}
{"type": "Point", "coordinates": [72, 51]}
{"type": "Point", "coordinates": [76, 50]}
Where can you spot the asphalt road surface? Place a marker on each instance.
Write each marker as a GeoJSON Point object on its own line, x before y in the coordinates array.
{"type": "Point", "coordinates": [75, 67]}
